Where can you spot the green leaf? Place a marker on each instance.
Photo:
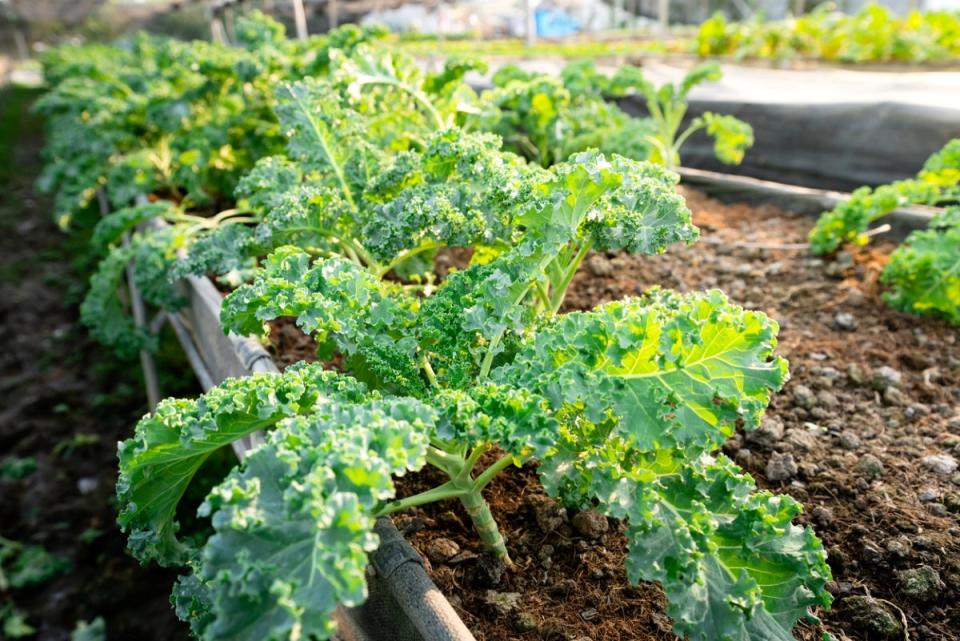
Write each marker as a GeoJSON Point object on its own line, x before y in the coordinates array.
{"type": "Point", "coordinates": [111, 227]}
{"type": "Point", "coordinates": [731, 137]}
{"type": "Point", "coordinates": [294, 525]}
{"type": "Point", "coordinates": [938, 181]}
{"type": "Point", "coordinates": [673, 369]}
{"type": "Point", "coordinates": [343, 305]}
{"type": "Point", "coordinates": [732, 564]}
{"type": "Point", "coordinates": [95, 630]}
{"type": "Point", "coordinates": [924, 272]}
{"type": "Point", "coordinates": [170, 445]}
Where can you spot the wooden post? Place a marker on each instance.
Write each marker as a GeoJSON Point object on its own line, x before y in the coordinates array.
{"type": "Point", "coordinates": [663, 15]}
{"type": "Point", "coordinates": [228, 22]}
{"type": "Point", "coordinates": [333, 14]}
{"type": "Point", "coordinates": [530, 25]}
{"type": "Point", "coordinates": [300, 19]}
{"type": "Point", "coordinates": [23, 52]}
{"type": "Point", "coordinates": [799, 8]}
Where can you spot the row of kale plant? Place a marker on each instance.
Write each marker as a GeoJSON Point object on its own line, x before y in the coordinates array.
{"type": "Point", "coordinates": [317, 180]}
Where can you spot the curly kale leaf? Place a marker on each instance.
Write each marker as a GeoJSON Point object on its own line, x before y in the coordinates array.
{"type": "Point", "coordinates": [516, 420]}
{"type": "Point", "coordinates": [171, 444]}
{"type": "Point", "coordinates": [672, 370]}
{"type": "Point", "coordinates": [729, 558]}
{"type": "Point", "coordinates": [644, 214]}
{"type": "Point", "coordinates": [131, 176]}
{"type": "Point", "coordinates": [294, 524]}
{"type": "Point", "coordinates": [228, 251]}
{"type": "Point", "coordinates": [460, 191]}
{"type": "Point", "coordinates": [645, 391]}
{"type": "Point", "coordinates": [347, 309]}
{"type": "Point", "coordinates": [152, 254]}
{"type": "Point", "coordinates": [731, 137]}
{"type": "Point", "coordinates": [937, 182]}
{"type": "Point", "coordinates": [267, 182]}
{"type": "Point", "coordinates": [924, 272]}
{"type": "Point", "coordinates": [113, 226]}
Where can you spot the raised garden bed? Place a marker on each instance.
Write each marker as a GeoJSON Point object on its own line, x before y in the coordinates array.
{"type": "Point", "coordinates": [864, 436]}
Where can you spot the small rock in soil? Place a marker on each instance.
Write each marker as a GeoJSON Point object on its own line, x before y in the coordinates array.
{"type": "Point", "coordinates": [872, 617]}
{"type": "Point", "coordinates": [827, 398]}
{"type": "Point", "coordinates": [781, 467]}
{"type": "Point", "coordinates": [524, 622]}
{"type": "Point", "coordinates": [822, 515]}
{"type": "Point", "coordinates": [920, 584]}
{"type": "Point", "coordinates": [589, 614]}
{"type": "Point", "coordinates": [855, 297]}
{"type": "Point", "coordinates": [928, 494]}
{"type": "Point", "coordinates": [591, 524]}
{"type": "Point", "coordinates": [803, 397]}
{"type": "Point", "coordinates": [849, 440]}
{"type": "Point", "coordinates": [502, 602]}
{"type": "Point", "coordinates": [845, 322]}
{"type": "Point", "coordinates": [856, 374]}
{"type": "Point", "coordinates": [744, 458]}
{"type": "Point", "coordinates": [488, 571]}
{"type": "Point", "coordinates": [870, 465]}
{"type": "Point", "coordinates": [600, 265]}
{"type": "Point", "coordinates": [768, 434]}
{"type": "Point", "coordinates": [802, 439]}
{"type": "Point", "coordinates": [899, 548]}
{"type": "Point", "coordinates": [87, 485]}
{"type": "Point", "coordinates": [441, 549]}
{"type": "Point", "coordinates": [952, 503]}
{"type": "Point", "coordinates": [549, 514]}
{"type": "Point", "coordinates": [940, 463]}
{"type": "Point", "coordinates": [937, 508]}
{"type": "Point", "coordinates": [893, 396]}
{"type": "Point", "coordinates": [886, 377]}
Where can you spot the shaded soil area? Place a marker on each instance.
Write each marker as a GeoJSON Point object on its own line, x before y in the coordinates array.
{"type": "Point", "coordinates": [66, 403]}
{"type": "Point", "coordinates": [866, 435]}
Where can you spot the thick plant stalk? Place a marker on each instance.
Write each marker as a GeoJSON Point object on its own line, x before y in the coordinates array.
{"type": "Point", "coordinates": [486, 526]}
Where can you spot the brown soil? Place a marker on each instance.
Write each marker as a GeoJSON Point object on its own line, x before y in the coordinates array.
{"type": "Point", "coordinates": [831, 419]}
{"type": "Point", "coordinates": [66, 403]}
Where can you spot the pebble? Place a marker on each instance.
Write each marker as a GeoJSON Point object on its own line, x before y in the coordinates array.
{"type": "Point", "coordinates": [87, 485]}
{"type": "Point", "coordinates": [768, 434]}
{"type": "Point", "coordinates": [591, 524]}
{"type": "Point", "coordinates": [940, 463]}
{"type": "Point", "coordinates": [803, 397]}
{"type": "Point", "coordinates": [827, 399]}
{"type": "Point", "coordinates": [822, 515]}
{"type": "Point", "coordinates": [920, 584]}
{"type": "Point", "coordinates": [855, 297]}
{"type": "Point", "coordinates": [849, 440]}
{"type": "Point", "coordinates": [928, 494]}
{"type": "Point", "coordinates": [744, 458]}
{"type": "Point", "coordinates": [441, 549]}
{"type": "Point", "coordinates": [952, 503]}
{"type": "Point", "coordinates": [893, 396]}
{"type": "Point", "coordinates": [872, 617]}
{"type": "Point", "coordinates": [845, 322]}
{"type": "Point", "coordinates": [856, 374]}
{"type": "Point", "coordinates": [549, 514]}
{"type": "Point", "coordinates": [802, 439]}
{"type": "Point", "coordinates": [781, 467]}
{"type": "Point", "coordinates": [525, 622]}
{"type": "Point", "coordinates": [886, 377]}
{"type": "Point", "coordinates": [589, 614]}
{"type": "Point", "coordinates": [599, 265]}
{"type": "Point", "coordinates": [502, 602]}
{"type": "Point", "coordinates": [870, 465]}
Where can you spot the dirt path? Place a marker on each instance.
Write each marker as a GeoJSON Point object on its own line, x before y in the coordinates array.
{"type": "Point", "coordinates": [65, 405]}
